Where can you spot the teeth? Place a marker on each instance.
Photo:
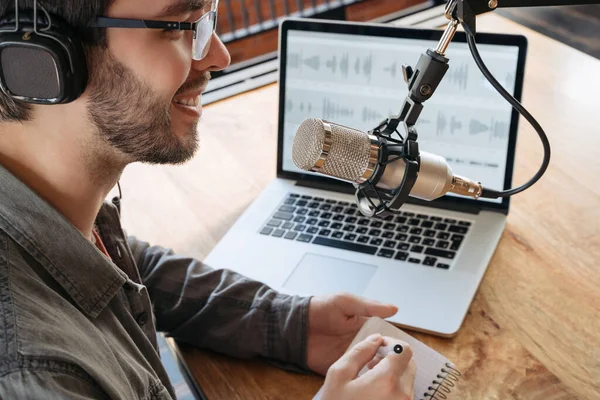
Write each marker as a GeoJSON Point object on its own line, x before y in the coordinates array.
{"type": "Point", "coordinates": [190, 101]}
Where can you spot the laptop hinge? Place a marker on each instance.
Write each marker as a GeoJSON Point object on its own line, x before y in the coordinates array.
{"type": "Point", "coordinates": [444, 203]}
{"type": "Point", "coordinates": [340, 188]}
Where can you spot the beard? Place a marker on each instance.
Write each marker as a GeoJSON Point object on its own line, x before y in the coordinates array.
{"type": "Point", "coordinates": [133, 119]}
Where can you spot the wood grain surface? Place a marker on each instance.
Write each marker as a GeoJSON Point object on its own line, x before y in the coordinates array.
{"type": "Point", "coordinates": [533, 330]}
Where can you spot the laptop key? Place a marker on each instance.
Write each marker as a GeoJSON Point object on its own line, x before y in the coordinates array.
{"type": "Point", "coordinates": [336, 225]}
{"type": "Point", "coordinates": [401, 237]}
{"type": "Point", "coordinates": [408, 214]}
{"type": "Point", "coordinates": [313, 204]}
{"type": "Point", "coordinates": [350, 220]}
{"type": "Point", "coordinates": [290, 202]}
{"type": "Point", "coordinates": [318, 199]}
{"type": "Point", "coordinates": [389, 243]}
{"type": "Point", "coordinates": [294, 195]}
{"type": "Point", "coordinates": [376, 241]}
{"type": "Point", "coordinates": [464, 223]}
{"type": "Point", "coordinates": [443, 235]}
{"type": "Point", "coordinates": [414, 260]}
{"type": "Point", "coordinates": [432, 251]}
{"type": "Point", "coordinates": [402, 228]}
{"type": "Point", "coordinates": [389, 226]}
{"type": "Point", "coordinates": [363, 221]}
{"type": "Point", "coordinates": [458, 229]}
{"type": "Point", "coordinates": [276, 223]}
{"type": "Point", "coordinates": [349, 228]}
{"type": "Point", "coordinates": [429, 261]}
{"type": "Point", "coordinates": [266, 231]}
{"type": "Point", "coordinates": [414, 222]}
{"type": "Point", "coordinates": [441, 227]}
{"type": "Point", "coordinates": [337, 209]}
{"type": "Point", "coordinates": [300, 228]}
{"type": "Point", "coordinates": [402, 256]}
{"type": "Point", "coordinates": [291, 235]}
{"type": "Point", "coordinates": [363, 239]}
{"type": "Point", "coordinates": [325, 207]}
{"type": "Point", "coordinates": [312, 221]}
{"type": "Point", "coordinates": [400, 220]}
{"type": "Point", "coordinates": [443, 266]}
{"type": "Point", "coordinates": [416, 231]}
{"type": "Point", "coordinates": [414, 239]}
{"type": "Point", "coordinates": [301, 203]}
{"type": "Point", "coordinates": [403, 246]}
{"type": "Point", "coordinates": [441, 244]}
{"type": "Point", "coordinates": [278, 233]}
{"type": "Point", "coordinates": [338, 235]}
{"type": "Point", "coordinates": [284, 216]}
{"type": "Point", "coordinates": [350, 211]}
{"type": "Point", "coordinates": [457, 238]}
{"type": "Point", "coordinates": [302, 211]}
{"type": "Point", "coordinates": [427, 224]}
{"type": "Point", "coordinates": [350, 237]}
{"type": "Point", "coordinates": [450, 220]}
{"type": "Point", "coordinates": [326, 215]}
{"type": "Point", "coordinates": [455, 245]}
{"type": "Point", "coordinates": [324, 224]}
{"type": "Point", "coordinates": [362, 230]}
{"type": "Point", "coordinates": [339, 244]}
{"type": "Point", "coordinates": [387, 235]}
{"type": "Point", "coordinates": [312, 230]}
{"type": "Point", "coordinates": [325, 232]}
{"type": "Point", "coordinates": [300, 219]}
{"type": "Point", "coordinates": [287, 209]}
{"type": "Point", "coordinates": [422, 216]}
{"type": "Point", "coordinates": [374, 232]}
{"type": "Point", "coordinates": [436, 219]}
{"type": "Point", "coordinates": [305, 238]}
{"type": "Point", "coordinates": [287, 225]}
{"type": "Point", "coordinates": [386, 253]}
{"type": "Point", "coordinates": [376, 224]}
{"type": "Point", "coordinates": [338, 218]}
{"type": "Point", "coordinates": [331, 201]}
{"type": "Point", "coordinates": [429, 233]}
{"type": "Point", "coordinates": [307, 197]}
{"type": "Point", "coordinates": [417, 249]}
{"type": "Point", "coordinates": [428, 242]}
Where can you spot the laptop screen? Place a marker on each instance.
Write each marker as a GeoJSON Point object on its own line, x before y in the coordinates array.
{"type": "Point", "coordinates": [355, 78]}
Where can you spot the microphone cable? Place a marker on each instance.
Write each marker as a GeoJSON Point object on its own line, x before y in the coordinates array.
{"type": "Point", "coordinates": [488, 193]}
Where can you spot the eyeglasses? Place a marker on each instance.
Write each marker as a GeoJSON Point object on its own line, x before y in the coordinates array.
{"type": "Point", "coordinates": [202, 28]}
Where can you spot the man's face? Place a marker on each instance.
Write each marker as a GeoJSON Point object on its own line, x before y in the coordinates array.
{"type": "Point", "coordinates": [144, 92]}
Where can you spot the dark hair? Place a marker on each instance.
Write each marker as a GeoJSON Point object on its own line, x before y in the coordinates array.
{"type": "Point", "coordinates": [78, 14]}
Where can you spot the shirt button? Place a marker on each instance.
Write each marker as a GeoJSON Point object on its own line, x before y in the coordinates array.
{"type": "Point", "coordinates": [142, 319]}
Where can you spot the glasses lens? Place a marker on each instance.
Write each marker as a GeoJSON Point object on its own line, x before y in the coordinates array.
{"type": "Point", "coordinates": [204, 31]}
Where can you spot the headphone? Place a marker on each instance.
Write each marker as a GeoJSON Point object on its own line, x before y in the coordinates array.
{"type": "Point", "coordinates": [42, 60]}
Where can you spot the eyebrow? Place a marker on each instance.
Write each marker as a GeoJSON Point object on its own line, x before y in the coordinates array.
{"type": "Point", "coordinates": [182, 7]}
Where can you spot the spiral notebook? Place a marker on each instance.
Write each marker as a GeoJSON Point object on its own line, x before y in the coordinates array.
{"type": "Point", "coordinates": [436, 376]}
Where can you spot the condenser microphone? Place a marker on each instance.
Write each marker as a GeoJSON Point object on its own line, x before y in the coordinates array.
{"type": "Point", "coordinates": [356, 157]}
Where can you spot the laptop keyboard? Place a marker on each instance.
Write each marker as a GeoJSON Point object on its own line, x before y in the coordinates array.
{"type": "Point", "coordinates": [417, 238]}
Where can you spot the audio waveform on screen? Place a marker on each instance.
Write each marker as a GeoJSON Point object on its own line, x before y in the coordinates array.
{"type": "Point", "coordinates": [442, 123]}
{"type": "Point", "coordinates": [337, 64]}
{"type": "Point", "coordinates": [332, 110]}
{"type": "Point", "coordinates": [495, 129]}
{"type": "Point", "coordinates": [459, 76]}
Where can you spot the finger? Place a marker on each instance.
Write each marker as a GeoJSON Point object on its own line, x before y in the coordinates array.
{"type": "Point", "coordinates": [407, 380]}
{"type": "Point", "coordinates": [355, 305]}
{"type": "Point", "coordinates": [350, 364]}
{"type": "Point", "coordinates": [395, 363]}
{"type": "Point", "coordinates": [374, 362]}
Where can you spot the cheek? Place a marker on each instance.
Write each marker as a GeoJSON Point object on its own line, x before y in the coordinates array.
{"type": "Point", "coordinates": [163, 64]}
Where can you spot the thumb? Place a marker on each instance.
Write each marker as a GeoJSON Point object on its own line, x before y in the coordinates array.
{"type": "Point", "coordinates": [360, 306]}
{"type": "Point", "coordinates": [350, 364]}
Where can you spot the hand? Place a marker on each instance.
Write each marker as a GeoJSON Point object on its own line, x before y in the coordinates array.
{"type": "Point", "coordinates": [390, 378]}
{"type": "Point", "coordinates": [333, 322]}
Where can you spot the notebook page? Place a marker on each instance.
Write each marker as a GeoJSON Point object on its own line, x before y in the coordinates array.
{"type": "Point", "coordinates": [429, 362]}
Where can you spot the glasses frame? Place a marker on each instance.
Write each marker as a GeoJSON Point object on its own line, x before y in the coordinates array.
{"type": "Point", "coordinates": [109, 22]}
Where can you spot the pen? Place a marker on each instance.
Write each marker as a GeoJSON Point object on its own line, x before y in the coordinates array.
{"type": "Point", "coordinates": [387, 350]}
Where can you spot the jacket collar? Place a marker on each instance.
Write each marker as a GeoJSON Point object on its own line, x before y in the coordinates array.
{"type": "Point", "coordinates": [88, 276]}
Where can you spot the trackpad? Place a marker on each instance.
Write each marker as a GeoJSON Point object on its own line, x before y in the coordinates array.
{"type": "Point", "coordinates": [320, 275]}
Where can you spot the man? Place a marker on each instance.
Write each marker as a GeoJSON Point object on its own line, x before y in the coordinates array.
{"type": "Point", "coordinates": [80, 302]}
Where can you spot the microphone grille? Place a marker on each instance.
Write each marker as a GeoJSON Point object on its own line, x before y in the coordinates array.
{"type": "Point", "coordinates": [347, 158]}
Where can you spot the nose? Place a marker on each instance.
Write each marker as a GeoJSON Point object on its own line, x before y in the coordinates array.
{"type": "Point", "coordinates": [216, 59]}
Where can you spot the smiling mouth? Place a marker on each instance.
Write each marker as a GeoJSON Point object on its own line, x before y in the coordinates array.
{"type": "Point", "coordinates": [188, 101]}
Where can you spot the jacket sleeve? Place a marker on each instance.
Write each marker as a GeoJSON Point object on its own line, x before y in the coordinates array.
{"type": "Point", "coordinates": [222, 310]}
{"type": "Point", "coordinates": [48, 384]}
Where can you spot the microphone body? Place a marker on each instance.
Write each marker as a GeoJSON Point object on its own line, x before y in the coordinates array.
{"type": "Point", "coordinates": [355, 157]}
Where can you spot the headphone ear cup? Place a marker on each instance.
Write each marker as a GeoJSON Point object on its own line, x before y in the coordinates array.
{"type": "Point", "coordinates": [45, 68]}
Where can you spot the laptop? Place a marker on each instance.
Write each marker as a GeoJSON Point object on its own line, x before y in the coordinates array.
{"type": "Point", "coordinates": [304, 234]}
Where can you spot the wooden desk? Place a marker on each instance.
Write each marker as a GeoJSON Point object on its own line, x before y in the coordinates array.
{"type": "Point", "coordinates": [533, 330]}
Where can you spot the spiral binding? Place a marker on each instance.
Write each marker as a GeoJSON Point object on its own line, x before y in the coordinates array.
{"type": "Point", "coordinates": [442, 386]}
